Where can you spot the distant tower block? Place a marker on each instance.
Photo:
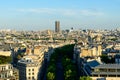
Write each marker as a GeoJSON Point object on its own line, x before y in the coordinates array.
{"type": "Point", "coordinates": [57, 26]}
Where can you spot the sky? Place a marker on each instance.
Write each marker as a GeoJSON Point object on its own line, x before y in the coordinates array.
{"type": "Point", "coordinates": [42, 14]}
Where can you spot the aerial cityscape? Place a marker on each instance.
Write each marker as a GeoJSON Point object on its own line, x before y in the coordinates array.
{"type": "Point", "coordinates": [60, 40]}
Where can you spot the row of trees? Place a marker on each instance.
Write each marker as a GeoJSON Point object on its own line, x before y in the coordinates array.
{"type": "Point", "coordinates": [51, 69]}
{"type": "Point", "coordinates": [69, 67]}
{"type": "Point", "coordinates": [5, 59]}
{"type": "Point", "coordinates": [85, 78]}
{"type": "Point", "coordinates": [70, 70]}
{"type": "Point", "coordinates": [66, 51]}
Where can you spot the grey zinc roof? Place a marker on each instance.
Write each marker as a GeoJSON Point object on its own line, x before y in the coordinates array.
{"type": "Point", "coordinates": [112, 66]}
{"type": "Point", "coordinates": [93, 63]}
{"type": "Point", "coordinates": [108, 73]}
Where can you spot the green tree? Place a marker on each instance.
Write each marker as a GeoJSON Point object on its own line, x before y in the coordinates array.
{"type": "Point", "coordinates": [51, 68]}
{"type": "Point", "coordinates": [85, 78]}
{"type": "Point", "coordinates": [50, 76]}
{"type": "Point", "coordinates": [5, 59]}
{"type": "Point", "coordinates": [70, 71]}
{"type": "Point", "coordinates": [68, 74]}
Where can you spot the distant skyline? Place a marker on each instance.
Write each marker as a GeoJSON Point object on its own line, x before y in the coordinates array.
{"type": "Point", "coordinates": [42, 14]}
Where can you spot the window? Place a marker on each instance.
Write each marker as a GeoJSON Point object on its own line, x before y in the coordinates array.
{"type": "Point", "coordinates": [29, 70]}
{"type": "Point", "coordinates": [111, 70]}
{"type": "Point", "coordinates": [32, 69]}
{"type": "Point", "coordinates": [28, 77]}
{"type": "Point", "coordinates": [33, 78]}
{"type": "Point", "coordinates": [103, 70]}
{"type": "Point", "coordinates": [9, 67]}
{"type": "Point", "coordinates": [118, 70]}
{"type": "Point", "coordinates": [118, 75]}
{"type": "Point", "coordinates": [103, 75]}
{"type": "Point", "coordinates": [95, 75]}
{"type": "Point", "coordinates": [111, 75]}
{"type": "Point", "coordinates": [3, 68]}
{"type": "Point", "coordinates": [29, 73]}
{"type": "Point", "coordinates": [32, 73]}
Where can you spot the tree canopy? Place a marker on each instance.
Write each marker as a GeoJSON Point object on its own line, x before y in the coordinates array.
{"type": "Point", "coordinates": [85, 78]}
{"type": "Point", "coordinates": [5, 59]}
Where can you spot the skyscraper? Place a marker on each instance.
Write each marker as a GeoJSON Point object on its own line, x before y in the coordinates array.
{"type": "Point", "coordinates": [57, 26]}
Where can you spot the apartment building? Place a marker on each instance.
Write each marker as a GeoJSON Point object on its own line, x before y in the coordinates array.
{"type": "Point", "coordinates": [106, 71]}
{"type": "Point", "coordinates": [91, 51]}
{"type": "Point", "coordinates": [31, 65]}
{"type": "Point", "coordinates": [29, 68]}
{"type": "Point", "coordinates": [48, 53]}
{"type": "Point", "coordinates": [8, 72]}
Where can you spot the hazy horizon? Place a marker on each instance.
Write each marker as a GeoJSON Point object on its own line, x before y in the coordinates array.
{"type": "Point", "coordinates": [42, 14]}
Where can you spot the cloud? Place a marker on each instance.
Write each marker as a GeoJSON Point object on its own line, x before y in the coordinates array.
{"type": "Point", "coordinates": [91, 13]}
{"type": "Point", "coordinates": [49, 11]}
{"type": "Point", "coordinates": [66, 12]}
{"type": "Point", "coordinates": [41, 10]}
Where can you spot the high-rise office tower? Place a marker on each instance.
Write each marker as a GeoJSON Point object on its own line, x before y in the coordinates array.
{"type": "Point", "coordinates": [57, 26]}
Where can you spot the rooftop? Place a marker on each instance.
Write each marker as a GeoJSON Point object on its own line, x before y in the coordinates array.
{"type": "Point", "coordinates": [93, 63]}
{"type": "Point", "coordinates": [112, 66]}
{"type": "Point", "coordinates": [107, 73]}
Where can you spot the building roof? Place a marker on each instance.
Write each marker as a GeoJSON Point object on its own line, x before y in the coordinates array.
{"type": "Point", "coordinates": [112, 66]}
{"type": "Point", "coordinates": [107, 73]}
{"type": "Point", "coordinates": [5, 65]}
{"type": "Point", "coordinates": [90, 65]}
{"type": "Point", "coordinates": [117, 55]}
{"type": "Point", "coordinates": [93, 63]}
